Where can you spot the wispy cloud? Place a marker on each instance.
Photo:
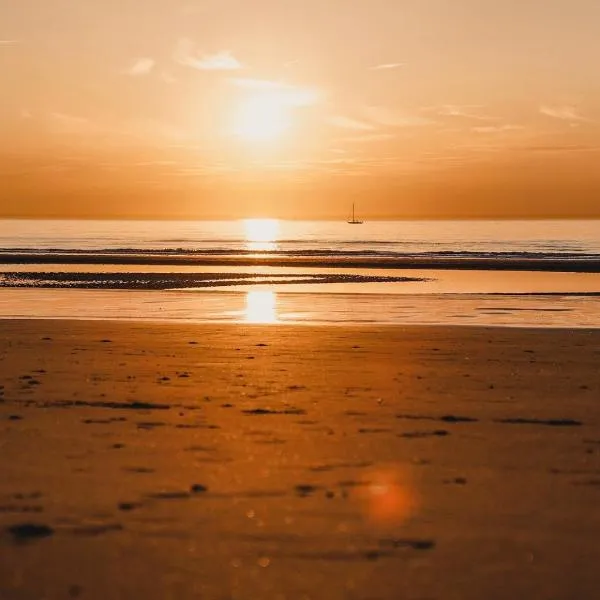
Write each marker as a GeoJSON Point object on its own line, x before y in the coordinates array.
{"type": "Point", "coordinates": [141, 66]}
{"type": "Point", "coordinates": [497, 128]}
{"type": "Point", "coordinates": [350, 123]}
{"type": "Point", "coordinates": [9, 42]}
{"type": "Point", "coordinates": [285, 93]}
{"type": "Point", "coordinates": [186, 54]}
{"type": "Point", "coordinates": [152, 129]}
{"type": "Point", "coordinates": [167, 77]}
{"type": "Point", "coordinates": [393, 118]}
{"type": "Point", "coordinates": [72, 124]}
{"type": "Point", "coordinates": [569, 148]}
{"type": "Point", "coordinates": [369, 137]}
{"type": "Point", "coordinates": [387, 66]}
{"type": "Point", "coordinates": [257, 84]}
{"type": "Point", "coordinates": [565, 113]}
{"type": "Point", "coordinates": [466, 111]}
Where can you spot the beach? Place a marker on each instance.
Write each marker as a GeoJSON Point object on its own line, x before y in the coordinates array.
{"type": "Point", "coordinates": [300, 300]}
{"type": "Point", "coordinates": [237, 461]}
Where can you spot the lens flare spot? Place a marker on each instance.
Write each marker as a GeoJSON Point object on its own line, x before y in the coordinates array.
{"type": "Point", "coordinates": [389, 496]}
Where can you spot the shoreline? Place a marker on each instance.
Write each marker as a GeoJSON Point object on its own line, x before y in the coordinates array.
{"type": "Point", "coordinates": [556, 263]}
{"type": "Point", "coordinates": [302, 324]}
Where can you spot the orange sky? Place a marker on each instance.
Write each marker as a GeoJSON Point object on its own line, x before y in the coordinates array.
{"type": "Point", "coordinates": [295, 108]}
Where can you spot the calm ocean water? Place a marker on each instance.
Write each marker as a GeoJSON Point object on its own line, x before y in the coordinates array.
{"type": "Point", "coordinates": [389, 238]}
{"type": "Point", "coordinates": [515, 273]}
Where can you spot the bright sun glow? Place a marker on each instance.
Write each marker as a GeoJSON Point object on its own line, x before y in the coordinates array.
{"type": "Point", "coordinates": [261, 234]}
{"type": "Point", "coordinates": [261, 307]}
{"type": "Point", "coordinates": [266, 113]}
{"type": "Point", "coordinates": [262, 118]}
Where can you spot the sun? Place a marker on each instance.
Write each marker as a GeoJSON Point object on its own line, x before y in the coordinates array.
{"type": "Point", "coordinates": [263, 117]}
{"type": "Point", "coordinates": [267, 111]}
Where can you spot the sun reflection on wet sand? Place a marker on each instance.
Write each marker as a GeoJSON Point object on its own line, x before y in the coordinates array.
{"type": "Point", "coordinates": [261, 234]}
{"type": "Point", "coordinates": [261, 307]}
{"type": "Point", "coordinates": [389, 496]}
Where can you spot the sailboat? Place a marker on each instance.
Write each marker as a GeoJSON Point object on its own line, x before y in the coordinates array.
{"type": "Point", "coordinates": [354, 220]}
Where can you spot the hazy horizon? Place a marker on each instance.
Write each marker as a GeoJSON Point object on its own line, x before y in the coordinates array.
{"type": "Point", "coordinates": [266, 217]}
{"type": "Point", "coordinates": [211, 109]}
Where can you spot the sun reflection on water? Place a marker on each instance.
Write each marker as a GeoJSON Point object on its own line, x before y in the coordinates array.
{"type": "Point", "coordinates": [261, 307]}
{"type": "Point", "coordinates": [261, 234]}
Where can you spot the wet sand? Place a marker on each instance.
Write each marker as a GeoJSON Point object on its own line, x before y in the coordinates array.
{"type": "Point", "coordinates": [269, 305]}
{"type": "Point", "coordinates": [242, 462]}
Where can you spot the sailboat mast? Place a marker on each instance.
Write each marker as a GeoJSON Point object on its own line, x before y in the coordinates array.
{"type": "Point", "coordinates": [353, 220]}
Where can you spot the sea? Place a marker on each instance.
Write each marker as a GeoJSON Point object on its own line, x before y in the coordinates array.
{"type": "Point", "coordinates": [493, 273]}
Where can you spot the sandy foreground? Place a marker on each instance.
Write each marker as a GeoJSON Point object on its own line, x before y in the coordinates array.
{"type": "Point", "coordinates": [164, 461]}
